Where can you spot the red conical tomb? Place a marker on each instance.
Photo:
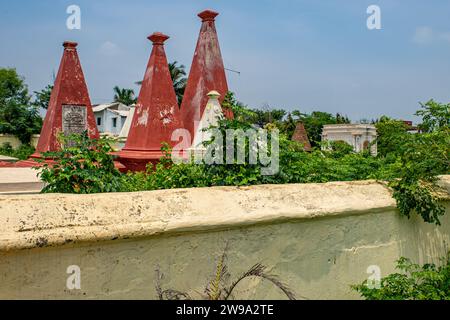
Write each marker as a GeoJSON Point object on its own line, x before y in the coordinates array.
{"type": "Point", "coordinates": [207, 74]}
{"type": "Point", "coordinates": [300, 135]}
{"type": "Point", "coordinates": [157, 113]}
{"type": "Point", "coordinates": [69, 110]}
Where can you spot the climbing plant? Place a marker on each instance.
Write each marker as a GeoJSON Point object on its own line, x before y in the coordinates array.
{"type": "Point", "coordinates": [423, 157]}
{"type": "Point", "coordinates": [413, 282]}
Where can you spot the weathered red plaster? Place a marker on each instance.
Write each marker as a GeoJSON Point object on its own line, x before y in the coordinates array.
{"type": "Point", "coordinates": [157, 113]}
{"type": "Point", "coordinates": [300, 135]}
{"type": "Point", "coordinates": [207, 74]}
{"type": "Point", "coordinates": [69, 89]}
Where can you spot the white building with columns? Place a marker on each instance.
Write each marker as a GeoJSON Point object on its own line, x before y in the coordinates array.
{"type": "Point", "coordinates": [359, 136]}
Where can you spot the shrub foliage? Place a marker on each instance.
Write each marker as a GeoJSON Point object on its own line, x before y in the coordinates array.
{"type": "Point", "coordinates": [409, 162]}
{"type": "Point", "coordinates": [83, 165]}
{"type": "Point", "coordinates": [415, 282]}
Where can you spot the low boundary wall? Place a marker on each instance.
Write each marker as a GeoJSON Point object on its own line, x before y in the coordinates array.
{"type": "Point", "coordinates": [317, 238]}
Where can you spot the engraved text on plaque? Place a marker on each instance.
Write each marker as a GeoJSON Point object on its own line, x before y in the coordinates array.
{"type": "Point", "coordinates": [74, 119]}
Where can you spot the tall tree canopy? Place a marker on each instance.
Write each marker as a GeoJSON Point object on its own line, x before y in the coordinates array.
{"type": "Point", "coordinates": [42, 98]}
{"type": "Point", "coordinates": [435, 116]}
{"type": "Point", "coordinates": [391, 134]}
{"type": "Point", "coordinates": [315, 121]}
{"type": "Point", "coordinates": [18, 116]}
{"type": "Point", "coordinates": [178, 75]}
{"type": "Point", "coordinates": [283, 120]}
{"type": "Point", "coordinates": [125, 96]}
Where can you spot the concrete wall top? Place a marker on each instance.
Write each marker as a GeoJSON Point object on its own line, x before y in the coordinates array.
{"type": "Point", "coordinates": [31, 221]}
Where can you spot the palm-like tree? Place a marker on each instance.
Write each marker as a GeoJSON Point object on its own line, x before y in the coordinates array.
{"type": "Point", "coordinates": [178, 75]}
{"type": "Point", "coordinates": [125, 96]}
{"type": "Point", "coordinates": [179, 79]}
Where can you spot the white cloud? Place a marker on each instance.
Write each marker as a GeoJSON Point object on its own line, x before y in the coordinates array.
{"type": "Point", "coordinates": [426, 35]}
{"type": "Point", "coordinates": [423, 35]}
{"type": "Point", "coordinates": [109, 49]}
{"type": "Point", "coordinates": [445, 36]}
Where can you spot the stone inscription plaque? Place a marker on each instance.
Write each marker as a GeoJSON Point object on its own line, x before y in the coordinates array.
{"type": "Point", "coordinates": [74, 119]}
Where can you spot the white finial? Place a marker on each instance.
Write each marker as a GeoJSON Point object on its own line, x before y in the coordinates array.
{"type": "Point", "coordinates": [213, 95]}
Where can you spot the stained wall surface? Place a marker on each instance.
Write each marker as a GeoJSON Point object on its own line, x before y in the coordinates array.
{"type": "Point", "coordinates": [317, 238]}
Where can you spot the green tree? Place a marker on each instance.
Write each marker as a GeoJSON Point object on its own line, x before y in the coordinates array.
{"type": "Point", "coordinates": [269, 115]}
{"type": "Point", "coordinates": [314, 124]}
{"type": "Point", "coordinates": [435, 116]}
{"type": "Point", "coordinates": [391, 135]}
{"type": "Point", "coordinates": [17, 115]}
{"type": "Point", "coordinates": [422, 157]}
{"type": "Point", "coordinates": [289, 126]}
{"type": "Point", "coordinates": [42, 98]}
{"type": "Point", "coordinates": [340, 119]}
{"type": "Point", "coordinates": [241, 112]}
{"type": "Point", "coordinates": [419, 159]}
{"type": "Point", "coordinates": [340, 149]}
{"type": "Point", "coordinates": [178, 75]}
{"type": "Point", "coordinates": [125, 96]}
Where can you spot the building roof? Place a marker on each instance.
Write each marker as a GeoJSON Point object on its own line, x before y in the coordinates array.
{"type": "Point", "coordinates": [121, 113]}
{"type": "Point", "coordinates": [117, 106]}
{"type": "Point", "coordinates": [354, 129]}
{"type": "Point", "coordinates": [349, 126]}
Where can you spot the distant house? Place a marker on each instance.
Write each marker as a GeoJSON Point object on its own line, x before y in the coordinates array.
{"type": "Point", "coordinates": [359, 136]}
{"type": "Point", "coordinates": [111, 118]}
{"type": "Point", "coordinates": [410, 127]}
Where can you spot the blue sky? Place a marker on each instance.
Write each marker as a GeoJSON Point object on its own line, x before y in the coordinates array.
{"type": "Point", "coordinates": [292, 54]}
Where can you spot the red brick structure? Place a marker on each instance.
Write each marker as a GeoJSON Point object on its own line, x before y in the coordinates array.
{"type": "Point", "coordinates": [301, 136]}
{"type": "Point", "coordinates": [207, 74]}
{"type": "Point", "coordinates": [69, 110]}
{"type": "Point", "coordinates": [157, 114]}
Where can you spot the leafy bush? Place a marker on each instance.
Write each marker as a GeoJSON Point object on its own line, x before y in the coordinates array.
{"type": "Point", "coordinates": [435, 116]}
{"type": "Point", "coordinates": [296, 166]}
{"type": "Point", "coordinates": [21, 153]}
{"type": "Point", "coordinates": [423, 157]}
{"type": "Point", "coordinates": [338, 148]}
{"type": "Point", "coordinates": [83, 165]}
{"type": "Point", "coordinates": [409, 162]}
{"type": "Point", "coordinates": [427, 282]}
{"type": "Point", "coordinates": [391, 134]}
{"type": "Point", "coordinates": [18, 116]}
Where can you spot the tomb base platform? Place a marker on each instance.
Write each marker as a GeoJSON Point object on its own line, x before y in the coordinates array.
{"type": "Point", "coordinates": [31, 162]}
{"type": "Point", "coordinates": [137, 160]}
{"type": "Point", "coordinates": [16, 180]}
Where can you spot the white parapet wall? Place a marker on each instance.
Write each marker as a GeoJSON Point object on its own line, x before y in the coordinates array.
{"type": "Point", "coordinates": [34, 140]}
{"type": "Point", "coordinates": [15, 143]}
{"type": "Point", "coordinates": [11, 140]}
{"type": "Point", "coordinates": [317, 238]}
